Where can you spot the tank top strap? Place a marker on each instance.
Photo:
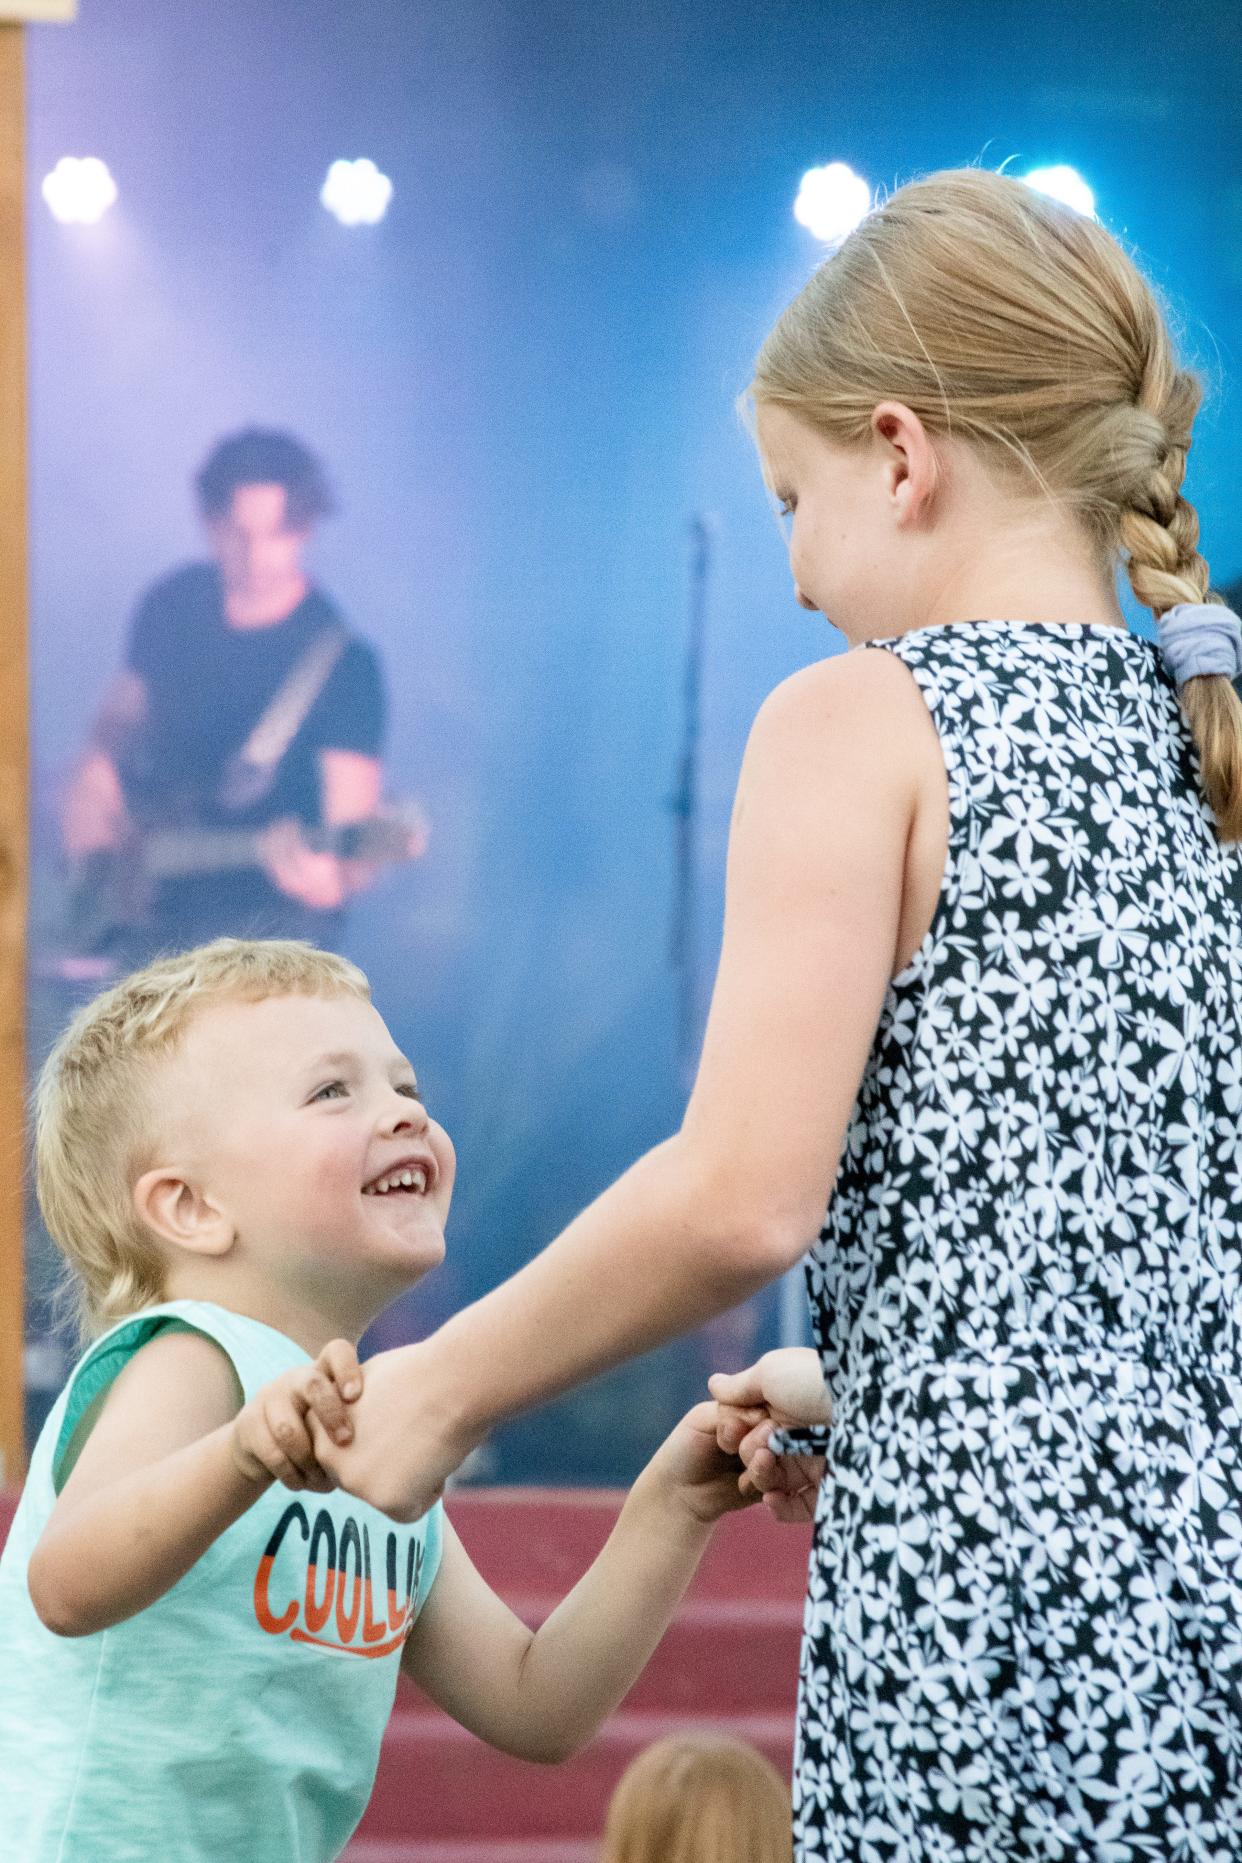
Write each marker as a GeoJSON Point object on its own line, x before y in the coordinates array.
{"type": "Point", "coordinates": [257, 1353]}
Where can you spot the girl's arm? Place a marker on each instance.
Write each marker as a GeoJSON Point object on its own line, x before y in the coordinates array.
{"type": "Point", "coordinates": [542, 1694]}
{"type": "Point", "coordinates": [172, 1461]}
{"type": "Point", "coordinates": [815, 884]}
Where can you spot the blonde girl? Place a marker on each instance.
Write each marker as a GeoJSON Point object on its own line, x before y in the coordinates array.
{"type": "Point", "coordinates": [980, 1001]}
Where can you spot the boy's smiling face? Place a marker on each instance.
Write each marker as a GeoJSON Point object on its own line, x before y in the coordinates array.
{"type": "Point", "coordinates": [294, 1151]}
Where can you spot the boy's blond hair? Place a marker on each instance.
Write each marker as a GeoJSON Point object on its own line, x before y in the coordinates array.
{"type": "Point", "coordinates": [94, 1107]}
{"type": "Point", "coordinates": [699, 1798]}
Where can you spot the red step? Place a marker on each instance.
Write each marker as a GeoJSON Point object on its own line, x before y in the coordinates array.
{"type": "Point", "coordinates": [730, 1660]}
{"type": "Point", "coordinates": [476, 1850]}
{"type": "Point", "coordinates": [438, 1781]}
{"type": "Point", "coordinates": [539, 1541]}
{"type": "Point", "coordinates": [739, 1657]}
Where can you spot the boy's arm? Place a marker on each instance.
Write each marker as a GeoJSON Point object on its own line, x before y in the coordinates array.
{"type": "Point", "coordinates": [542, 1694]}
{"type": "Point", "coordinates": [165, 1470]}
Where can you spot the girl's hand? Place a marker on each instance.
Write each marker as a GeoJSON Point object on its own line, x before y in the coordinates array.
{"type": "Point", "coordinates": [272, 1434]}
{"type": "Point", "coordinates": [694, 1472]}
{"type": "Point", "coordinates": [783, 1389]}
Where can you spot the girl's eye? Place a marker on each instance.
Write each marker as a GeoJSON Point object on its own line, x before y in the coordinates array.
{"type": "Point", "coordinates": [410, 1091]}
{"type": "Point", "coordinates": [332, 1089]}
{"type": "Point", "coordinates": [786, 507]}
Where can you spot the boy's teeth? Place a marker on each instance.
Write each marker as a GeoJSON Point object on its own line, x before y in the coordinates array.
{"type": "Point", "coordinates": [410, 1179]}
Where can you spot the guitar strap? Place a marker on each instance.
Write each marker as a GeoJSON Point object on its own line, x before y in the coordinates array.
{"type": "Point", "coordinates": [251, 771]}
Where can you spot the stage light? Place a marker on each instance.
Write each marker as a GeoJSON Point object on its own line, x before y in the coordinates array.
{"type": "Point", "coordinates": [1065, 184]}
{"type": "Point", "coordinates": [79, 189]}
{"type": "Point", "coordinates": [831, 202]}
{"type": "Point", "coordinates": [356, 192]}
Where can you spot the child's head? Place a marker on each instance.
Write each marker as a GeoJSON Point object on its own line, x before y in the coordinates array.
{"type": "Point", "coordinates": [1011, 324]}
{"type": "Point", "coordinates": [1041, 388]}
{"type": "Point", "coordinates": [699, 1798]}
{"type": "Point", "coordinates": [220, 1121]}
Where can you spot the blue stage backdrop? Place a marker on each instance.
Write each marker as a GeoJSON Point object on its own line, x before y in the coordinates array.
{"type": "Point", "coordinates": [522, 381]}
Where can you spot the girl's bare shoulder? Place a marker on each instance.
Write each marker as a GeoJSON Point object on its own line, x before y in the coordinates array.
{"type": "Point", "coordinates": [861, 707]}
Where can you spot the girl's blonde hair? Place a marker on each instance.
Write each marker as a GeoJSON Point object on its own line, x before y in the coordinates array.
{"type": "Point", "coordinates": [1002, 318]}
{"type": "Point", "coordinates": [95, 1108]}
{"type": "Point", "coordinates": [699, 1798]}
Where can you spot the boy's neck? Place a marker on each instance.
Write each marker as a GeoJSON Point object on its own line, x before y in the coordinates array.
{"type": "Point", "coordinates": [309, 1320]}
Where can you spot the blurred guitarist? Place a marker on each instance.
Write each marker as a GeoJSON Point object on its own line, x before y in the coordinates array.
{"type": "Point", "coordinates": [245, 704]}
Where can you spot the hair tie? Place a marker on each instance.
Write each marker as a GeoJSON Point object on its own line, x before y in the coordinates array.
{"type": "Point", "coordinates": [1198, 639]}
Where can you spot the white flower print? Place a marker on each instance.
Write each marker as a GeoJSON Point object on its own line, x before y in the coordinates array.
{"type": "Point", "coordinates": [1023, 1635]}
{"type": "Point", "coordinates": [1118, 924]}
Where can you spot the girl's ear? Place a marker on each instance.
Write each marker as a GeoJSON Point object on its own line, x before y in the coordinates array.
{"type": "Point", "coordinates": [911, 463]}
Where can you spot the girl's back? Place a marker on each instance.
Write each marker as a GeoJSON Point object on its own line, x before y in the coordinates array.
{"type": "Point", "coordinates": [1052, 1097]}
{"type": "Point", "coordinates": [1027, 1579]}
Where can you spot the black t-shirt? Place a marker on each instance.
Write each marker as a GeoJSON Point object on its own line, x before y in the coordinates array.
{"type": "Point", "coordinates": [207, 686]}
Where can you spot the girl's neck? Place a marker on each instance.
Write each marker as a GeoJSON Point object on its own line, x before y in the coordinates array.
{"type": "Point", "coordinates": [1024, 571]}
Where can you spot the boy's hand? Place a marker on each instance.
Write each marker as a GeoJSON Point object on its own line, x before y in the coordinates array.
{"type": "Point", "coordinates": [783, 1389]}
{"type": "Point", "coordinates": [272, 1434]}
{"type": "Point", "coordinates": [695, 1472]}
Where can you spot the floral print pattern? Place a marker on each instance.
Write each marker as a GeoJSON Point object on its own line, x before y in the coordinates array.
{"type": "Point", "coordinates": [1023, 1634]}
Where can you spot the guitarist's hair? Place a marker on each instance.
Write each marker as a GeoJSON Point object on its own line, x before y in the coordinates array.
{"type": "Point", "coordinates": [265, 456]}
{"type": "Point", "coordinates": [93, 1108]}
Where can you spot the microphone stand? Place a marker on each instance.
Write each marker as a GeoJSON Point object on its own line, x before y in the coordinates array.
{"type": "Point", "coordinates": [684, 803]}
{"type": "Point", "coordinates": [792, 1318]}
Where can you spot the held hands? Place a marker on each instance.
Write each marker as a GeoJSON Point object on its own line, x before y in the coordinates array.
{"type": "Point", "coordinates": [272, 1434]}
{"type": "Point", "coordinates": [783, 1389]}
{"type": "Point", "coordinates": [717, 1459]}
{"type": "Point", "coordinates": [695, 1472]}
{"type": "Point", "coordinates": [300, 1429]}
{"type": "Point", "coordinates": [405, 1446]}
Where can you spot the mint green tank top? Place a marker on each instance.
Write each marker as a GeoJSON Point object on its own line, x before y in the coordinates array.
{"type": "Point", "coordinates": [238, 1717]}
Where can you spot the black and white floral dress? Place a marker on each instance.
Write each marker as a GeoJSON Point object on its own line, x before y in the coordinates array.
{"type": "Point", "coordinates": [1024, 1629]}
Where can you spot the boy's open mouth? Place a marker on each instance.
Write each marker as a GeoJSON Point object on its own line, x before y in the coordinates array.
{"type": "Point", "coordinates": [413, 1177]}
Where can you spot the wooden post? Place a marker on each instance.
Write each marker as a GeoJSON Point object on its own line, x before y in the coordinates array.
{"type": "Point", "coordinates": [14, 747]}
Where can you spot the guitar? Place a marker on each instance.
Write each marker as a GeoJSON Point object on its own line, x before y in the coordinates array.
{"type": "Point", "coordinates": [114, 890]}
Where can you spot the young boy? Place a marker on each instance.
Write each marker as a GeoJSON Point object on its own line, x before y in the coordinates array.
{"type": "Point", "coordinates": [194, 1663]}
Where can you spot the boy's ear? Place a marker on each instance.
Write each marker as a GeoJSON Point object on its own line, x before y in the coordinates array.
{"type": "Point", "coordinates": [177, 1211]}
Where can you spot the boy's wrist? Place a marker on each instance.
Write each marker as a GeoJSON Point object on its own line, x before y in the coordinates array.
{"type": "Point", "coordinates": [669, 1506]}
